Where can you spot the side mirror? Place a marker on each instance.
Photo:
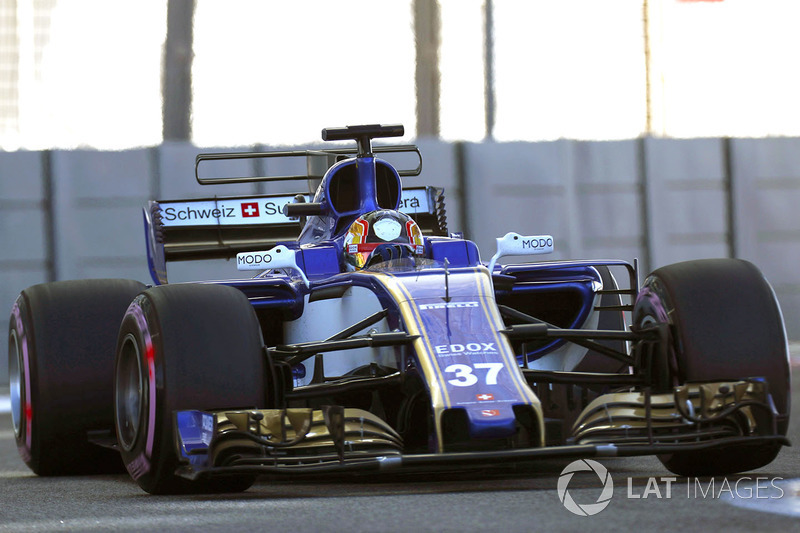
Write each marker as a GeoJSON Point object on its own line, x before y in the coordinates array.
{"type": "Point", "coordinates": [278, 257]}
{"type": "Point", "coordinates": [515, 244]}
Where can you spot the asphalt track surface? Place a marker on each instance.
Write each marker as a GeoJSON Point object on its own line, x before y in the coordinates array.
{"type": "Point", "coordinates": [479, 501]}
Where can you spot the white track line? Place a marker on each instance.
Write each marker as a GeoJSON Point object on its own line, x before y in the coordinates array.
{"type": "Point", "coordinates": [779, 496]}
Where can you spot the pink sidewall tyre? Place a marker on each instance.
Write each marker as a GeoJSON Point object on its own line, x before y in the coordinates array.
{"type": "Point", "coordinates": [188, 346]}
{"type": "Point", "coordinates": [61, 370]}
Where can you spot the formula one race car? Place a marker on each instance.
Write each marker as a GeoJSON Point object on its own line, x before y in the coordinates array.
{"type": "Point", "coordinates": [371, 340]}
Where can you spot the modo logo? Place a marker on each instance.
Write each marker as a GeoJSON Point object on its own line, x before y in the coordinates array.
{"type": "Point", "coordinates": [588, 509]}
{"type": "Point", "coordinates": [537, 243]}
{"type": "Point", "coordinates": [253, 259]}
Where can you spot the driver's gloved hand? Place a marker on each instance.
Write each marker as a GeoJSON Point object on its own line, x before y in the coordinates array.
{"type": "Point", "coordinates": [388, 252]}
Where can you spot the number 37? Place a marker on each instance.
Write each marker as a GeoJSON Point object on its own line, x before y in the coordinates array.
{"type": "Point", "coordinates": [464, 376]}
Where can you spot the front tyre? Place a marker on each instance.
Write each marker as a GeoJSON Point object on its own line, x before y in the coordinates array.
{"type": "Point", "coordinates": [183, 347]}
{"type": "Point", "coordinates": [725, 324]}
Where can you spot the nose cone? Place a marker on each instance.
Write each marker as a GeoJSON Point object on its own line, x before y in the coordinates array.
{"type": "Point", "coordinates": [491, 421]}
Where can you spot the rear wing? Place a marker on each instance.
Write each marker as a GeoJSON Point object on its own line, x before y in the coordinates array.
{"type": "Point", "coordinates": [219, 228]}
{"type": "Point", "coordinates": [317, 162]}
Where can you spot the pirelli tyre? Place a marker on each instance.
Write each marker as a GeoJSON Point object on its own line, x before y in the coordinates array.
{"type": "Point", "coordinates": [187, 346]}
{"type": "Point", "coordinates": [725, 324]}
{"type": "Point", "coordinates": [61, 344]}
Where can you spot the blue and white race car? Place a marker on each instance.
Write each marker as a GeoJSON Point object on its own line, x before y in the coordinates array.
{"type": "Point", "coordinates": [366, 338]}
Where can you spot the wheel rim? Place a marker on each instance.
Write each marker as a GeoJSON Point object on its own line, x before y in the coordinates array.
{"type": "Point", "coordinates": [15, 367]}
{"type": "Point", "coordinates": [129, 393]}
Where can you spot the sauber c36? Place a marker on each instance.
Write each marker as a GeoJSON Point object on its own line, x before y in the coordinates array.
{"type": "Point", "coordinates": [372, 340]}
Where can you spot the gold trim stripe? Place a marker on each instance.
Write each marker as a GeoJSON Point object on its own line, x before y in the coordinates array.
{"type": "Point", "coordinates": [485, 291]}
{"type": "Point", "coordinates": [439, 396]}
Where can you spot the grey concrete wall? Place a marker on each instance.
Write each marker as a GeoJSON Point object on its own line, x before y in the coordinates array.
{"type": "Point", "coordinates": [97, 204]}
{"type": "Point", "coordinates": [586, 195]}
{"type": "Point", "coordinates": [687, 200]}
{"type": "Point", "coordinates": [78, 214]}
{"type": "Point", "coordinates": [766, 204]}
{"type": "Point", "coordinates": [24, 229]}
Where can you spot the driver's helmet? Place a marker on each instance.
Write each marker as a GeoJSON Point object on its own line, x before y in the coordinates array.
{"type": "Point", "coordinates": [394, 229]}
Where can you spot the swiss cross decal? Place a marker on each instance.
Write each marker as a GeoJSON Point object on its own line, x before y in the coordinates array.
{"type": "Point", "coordinates": [484, 397]}
{"type": "Point", "coordinates": [250, 209]}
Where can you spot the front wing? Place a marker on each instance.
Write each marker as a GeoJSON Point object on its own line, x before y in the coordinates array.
{"type": "Point", "coordinates": [335, 440]}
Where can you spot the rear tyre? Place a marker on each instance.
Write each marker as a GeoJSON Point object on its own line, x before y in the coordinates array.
{"type": "Point", "coordinates": [183, 347]}
{"type": "Point", "coordinates": [726, 324]}
{"type": "Point", "coordinates": [61, 372]}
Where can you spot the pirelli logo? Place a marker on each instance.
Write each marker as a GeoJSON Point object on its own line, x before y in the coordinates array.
{"type": "Point", "coordinates": [448, 305]}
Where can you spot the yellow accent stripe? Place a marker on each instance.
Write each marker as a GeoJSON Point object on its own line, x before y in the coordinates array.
{"type": "Point", "coordinates": [485, 287]}
{"type": "Point", "coordinates": [440, 398]}
{"type": "Point", "coordinates": [439, 395]}
{"type": "Point", "coordinates": [485, 291]}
